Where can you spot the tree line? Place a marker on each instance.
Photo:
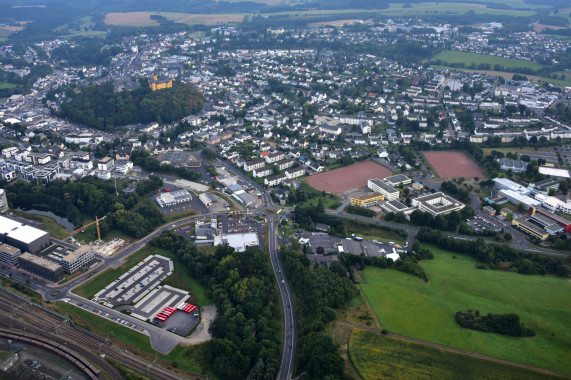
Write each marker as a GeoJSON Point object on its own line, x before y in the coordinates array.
{"type": "Point", "coordinates": [408, 262]}
{"type": "Point", "coordinates": [498, 256]}
{"type": "Point", "coordinates": [100, 107]}
{"type": "Point", "coordinates": [133, 213]}
{"type": "Point", "coordinates": [448, 222]}
{"type": "Point", "coordinates": [506, 324]}
{"type": "Point", "coordinates": [245, 333]}
{"type": "Point", "coordinates": [319, 292]}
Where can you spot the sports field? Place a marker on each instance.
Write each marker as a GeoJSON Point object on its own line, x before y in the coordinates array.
{"type": "Point", "coordinates": [408, 306]}
{"type": "Point", "coordinates": [348, 177]}
{"type": "Point", "coordinates": [452, 165]}
{"type": "Point", "coordinates": [377, 356]}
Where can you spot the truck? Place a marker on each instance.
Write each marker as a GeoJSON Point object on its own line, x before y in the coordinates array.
{"type": "Point", "coordinates": [356, 238]}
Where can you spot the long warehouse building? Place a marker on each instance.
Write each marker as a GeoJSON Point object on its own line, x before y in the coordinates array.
{"type": "Point", "coordinates": [26, 238]}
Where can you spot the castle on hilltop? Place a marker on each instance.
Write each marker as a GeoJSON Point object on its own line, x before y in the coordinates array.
{"type": "Point", "coordinates": [157, 84]}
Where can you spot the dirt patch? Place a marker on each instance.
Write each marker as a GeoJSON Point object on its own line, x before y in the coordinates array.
{"type": "Point", "coordinates": [337, 23]}
{"type": "Point", "coordinates": [541, 27]}
{"type": "Point", "coordinates": [348, 177]}
{"type": "Point", "coordinates": [452, 165]}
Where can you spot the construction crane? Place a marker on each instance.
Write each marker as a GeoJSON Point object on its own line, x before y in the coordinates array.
{"type": "Point", "coordinates": [96, 222]}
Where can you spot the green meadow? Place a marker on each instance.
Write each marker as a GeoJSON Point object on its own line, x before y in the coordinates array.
{"type": "Point", "coordinates": [408, 306]}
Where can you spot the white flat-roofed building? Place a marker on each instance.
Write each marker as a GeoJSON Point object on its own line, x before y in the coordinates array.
{"type": "Point", "coordinates": [172, 198]}
{"type": "Point", "coordinates": [379, 186]}
{"type": "Point", "coordinates": [506, 184]}
{"type": "Point", "coordinates": [516, 198]}
{"type": "Point", "coordinates": [21, 236]}
{"type": "Point", "coordinates": [82, 256]}
{"type": "Point", "coordinates": [398, 179]}
{"type": "Point", "coordinates": [437, 204]}
{"type": "Point", "coordinates": [561, 173]}
{"type": "Point", "coordinates": [240, 242]}
{"type": "Point", "coordinates": [554, 204]}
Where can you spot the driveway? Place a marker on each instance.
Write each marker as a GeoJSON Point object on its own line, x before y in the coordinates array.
{"type": "Point", "coordinates": [201, 334]}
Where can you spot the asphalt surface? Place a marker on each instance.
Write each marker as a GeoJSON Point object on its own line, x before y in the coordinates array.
{"type": "Point", "coordinates": [288, 354]}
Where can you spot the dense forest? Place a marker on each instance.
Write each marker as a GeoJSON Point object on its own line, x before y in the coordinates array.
{"type": "Point", "coordinates": [318, 293]}
{"type": "Point", "coordinates": [506, 324]}
{"type": "Point", "coordinates": [497, 256]}
{"type": "Point", "coordinates": [133, 213]}
{"type": "Point", "coordinates": [246, 334]}
{"type": "Point", "coordinates": [100, 107]}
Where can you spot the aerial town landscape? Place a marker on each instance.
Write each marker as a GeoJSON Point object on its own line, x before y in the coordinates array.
{"type": "Point", "coordinates": [285, 189]}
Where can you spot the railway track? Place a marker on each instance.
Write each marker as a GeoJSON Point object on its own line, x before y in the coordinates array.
{"type": "Point", "coordinates": [46, 322]}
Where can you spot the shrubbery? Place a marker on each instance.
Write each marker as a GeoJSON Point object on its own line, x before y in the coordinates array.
{"type": "Point", "coordinates": [506, 324]}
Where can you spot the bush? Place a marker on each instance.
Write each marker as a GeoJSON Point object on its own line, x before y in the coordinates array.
{"type": "Point", "coordinates": [505, 324]}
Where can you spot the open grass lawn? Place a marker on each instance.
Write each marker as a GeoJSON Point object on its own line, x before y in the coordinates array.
{"type": "Point", "coordinates": [104, 328]}
{"type": "Point", "coordinates": [408, 306]}
{"type": "Point", "coordinates": [377, 356]}
{"type": "Point", "coordinates": [48, 224]}
{"type": "Point", "coordinates": [469, 58]}
{"type": "Point", "coordinates": [180, 278]}
{"type": "Point", "coordinates": [4, 85]}
{"type": "Point", "coordinates": [329, 200]}
{"type": "Point", "coordinates": [181, 214]}
{"type": "Point", "coordinates": [375, 232]}
{"type": "Point", "coordinates": [521, 151]}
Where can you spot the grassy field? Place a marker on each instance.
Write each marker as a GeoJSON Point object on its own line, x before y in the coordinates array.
{"type": "Point", "coordinates": [48, 224]}
{"type": "Point", "coordinates": [373, 232]}
{"type": "Point", "coordinates": [4, 85]}
{"type": "Point", "coordinates": [140, 343]}
{"type": "Point", "coordinates": [509, 75]}
{"type": "Point", "coordinates": [408, 306]}
{"type": "Point", "coordinates": [472, 58]}
{"type": "Point", "coordinates": [180, 278]}
{"type": "Point", "coordinates": [329, 200]}
{"type": "Point", "coordinates": [181, 214]}
{"type": "Point", "coordinates": [521, 151]}
{"type": "Point", "coordinates": [398, 9]}
{"type": "Point", "coordinates": [377, 356]}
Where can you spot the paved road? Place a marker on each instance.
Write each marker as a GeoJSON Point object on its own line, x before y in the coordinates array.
{"type": "Point", "coordinates": [288, 355]}
{"type": "Point", "coordinates": [412, 231]}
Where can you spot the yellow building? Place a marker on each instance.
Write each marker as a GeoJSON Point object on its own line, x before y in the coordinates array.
{"type": "Point", "coordinates": [367, 200]}
{"type": "Point", "coordinates": [157, 84]}
{"type": "Point", "coordinates": [534, 230]}
{"type": "Point", "coordinates": [417, 186]}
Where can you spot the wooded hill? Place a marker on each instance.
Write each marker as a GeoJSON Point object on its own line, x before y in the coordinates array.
{"type": "Point", "coordinates": [99, 107]}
